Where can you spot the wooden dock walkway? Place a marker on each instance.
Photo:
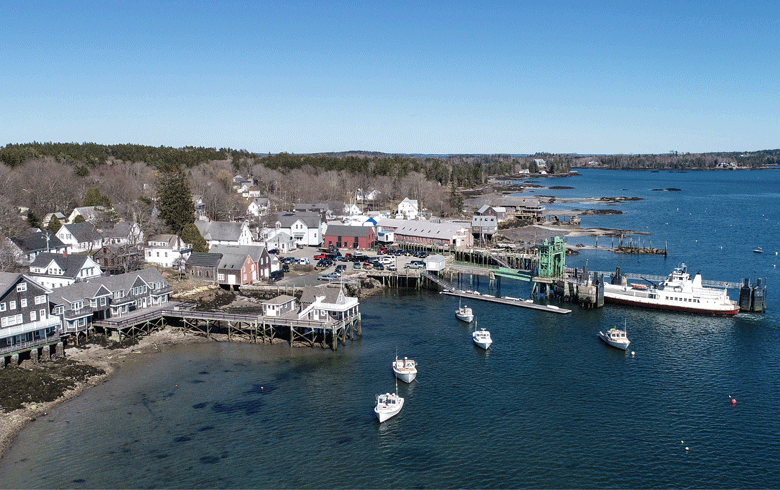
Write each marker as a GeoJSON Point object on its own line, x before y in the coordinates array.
{"type": "Point", "coordinates": [506, 301]}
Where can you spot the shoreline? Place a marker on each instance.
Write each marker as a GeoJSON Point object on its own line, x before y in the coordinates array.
{"type": "Point", "coordinates": [11, 423]}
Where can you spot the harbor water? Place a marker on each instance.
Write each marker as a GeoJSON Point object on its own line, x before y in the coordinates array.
{"type": "Point", "coordinates": [548, 405]}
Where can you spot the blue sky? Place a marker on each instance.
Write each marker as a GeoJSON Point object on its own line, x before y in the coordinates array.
{"type": "Point", "coordinates": [396, 77]}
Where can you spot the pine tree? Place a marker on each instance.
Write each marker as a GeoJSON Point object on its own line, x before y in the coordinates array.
{"type": "Point", "coordinates": [174, 199]}
{"type": "Point", "coordinates": [54, 225]}
{"type": "Point", "coordinates": [191, 235]}
{"type": "Point", "coordinates": [94, 197]}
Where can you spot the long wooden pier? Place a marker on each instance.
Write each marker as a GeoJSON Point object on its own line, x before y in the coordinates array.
{"type": "Point", "coordinates": [506, 301]}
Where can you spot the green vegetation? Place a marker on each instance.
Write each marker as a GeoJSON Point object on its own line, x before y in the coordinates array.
{"type": "Point", "coordinates": [174, 199]}
{"type": "Point", "coordinates": [191, 235]}
{"type": "Point", "coordinates": [94, 197]}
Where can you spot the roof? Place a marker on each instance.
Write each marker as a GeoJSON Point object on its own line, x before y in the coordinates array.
{"type": "Point", "coordinates": [70, 264]}
{"type": "Point", "coordinates": [35, 240]}
{"type": "Point", "coordinates": [232, 261]}
{"type": "Point", "coordinates": [425, 229]}
{"type": "Point", "coordinates": [254, 251]}
{"type": "Point", "coordinates": [82, 232]}
{"type": "Point", "coordinates": [220, 230]}
{"type": "Point", "coordinates": [9, 279]}
{"type": "Point", "coordinates": [329, 294]}
{"type": "Point", "coordinates": [200, 259]}
{"type": "Point", "coordinates": [109, 284]}
{"type": "Point", "coordinates": [121, 229]}
{"type": "Point", "coordinates": [311, 220]}
{"type": "Point", "coordinates": [354, 231]}
{"type": "Point", "coordinates": [170, 240]}
{"type": "Point", "coordinates": [279, 300]}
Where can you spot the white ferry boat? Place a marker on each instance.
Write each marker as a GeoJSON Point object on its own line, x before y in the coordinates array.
{"type": "Point", "coordinates": [678, 292]}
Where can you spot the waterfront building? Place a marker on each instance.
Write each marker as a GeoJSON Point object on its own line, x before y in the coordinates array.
{"type": "Point", "coordinates": [25, 322]}
{"type": "Point", "coordinates": [350, 237]}
{"type": "Point", "coordinates": [432, 233]}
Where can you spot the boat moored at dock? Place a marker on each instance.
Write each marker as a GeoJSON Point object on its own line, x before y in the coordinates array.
{"type": "Point", "coordinates": [405, 369]}
{"type": "Point", "coordinates": [678, 292]}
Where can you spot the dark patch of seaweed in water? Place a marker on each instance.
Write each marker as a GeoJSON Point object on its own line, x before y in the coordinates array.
{"type": "Point", "coordinates": [181, 439]}
{"type": "Point", "coordinates": [205, 428]}
{"type": "Point", "coordinates": [200, 405]}
{"type": "Point", "coordinates": [249, 407]}
{"type": "Point", "coordinates": [209, 459]}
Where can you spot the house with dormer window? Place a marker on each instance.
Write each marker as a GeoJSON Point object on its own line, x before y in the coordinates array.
{"type": "Point", "coordinates": [27, 246]}
{"type": "Point", "coordinates": [225, 233]}
{"type": "Point", "coordinates": [80, 237]}
{"type": "Point", "coordinates": [408, 209]}
{"type": "Point", "coordinates": [306, 228]}
{"type": "Point", "coordinates": [54, 271]}
{"type": "Point", "coordinates": [165, 250]}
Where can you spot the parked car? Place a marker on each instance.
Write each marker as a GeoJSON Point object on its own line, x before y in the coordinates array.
{"type": "Point", "coordinates": [413, 265]}
{"type": "Point", "coordinates": [356, 265]}
{"type": "Point", "coordinates": [341, 267]}
{"type": "Point", "coordinates": [286, 267]}
{"type": "Point", "coordinates": [386, 260]}
{"type": "Point", "coordinates": [274, 251]}
{"type": "Point", "coordinates": [276, 275]}
{"type": "Point", "coordinates": [320, 256]}
{"type": "Point", "coordinates": [367, 265]}
{"type": "Point", "coordinates": [392, 267]}
{"type": "Point", "coordinates": [381, 251]}
{"type": "Point", "coordinates": [303, 261]}
{"type": "Point", "coordinates": [378, 266]}
{"type": "Point", "coordinates": [328, 276]}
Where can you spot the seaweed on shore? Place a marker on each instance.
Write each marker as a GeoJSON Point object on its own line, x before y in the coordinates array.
{"type": "Point", "coordinates": [41, 383]}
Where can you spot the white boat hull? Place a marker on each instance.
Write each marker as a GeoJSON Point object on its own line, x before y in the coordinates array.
{"type": "Point", "coordinates": [482, 339]}
{"type": "Point", "coordinates": [612, 343]}
{"type": "Point", "coordinates": [464, 318]}
{"type": "Point", "coordinates": [405, 370]}
{"type": "Point", "coordinates": [388, 406]}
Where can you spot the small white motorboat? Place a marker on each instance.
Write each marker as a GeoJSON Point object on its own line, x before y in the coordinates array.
{"type": "Point", "coordinates": [481, 337]}
{"type": "Point", "coordinates": [388, 405]}
{"type": "Point", "coordinates": [615, 338]}
{"type": "Point", "coordinates": [464, 313]}
{"type": "Point", "coordinates": [405, 369]}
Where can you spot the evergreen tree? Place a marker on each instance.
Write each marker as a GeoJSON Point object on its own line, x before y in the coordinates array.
{"type": "Point", "coordinates": [54, 225]}
{"type": "Point", "coordinates": [174, 199]}
{"type": "Point", "coordinates": [190, 234]}
{"type": "Point", "coordinates": [94, 197]}
{"type": "Point", "coordinates": [33, 220]}
{"type": "Point", "coordinates": [456, 199]}
{"type": "Point", "coordinates": [79, 219]}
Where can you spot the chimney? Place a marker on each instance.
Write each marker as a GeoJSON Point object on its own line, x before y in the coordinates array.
{"type": "Point", "coordinates": [65, 253]}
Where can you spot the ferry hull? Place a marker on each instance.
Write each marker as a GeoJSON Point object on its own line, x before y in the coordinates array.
{"type": "Point", "coordinates": [660, 306]}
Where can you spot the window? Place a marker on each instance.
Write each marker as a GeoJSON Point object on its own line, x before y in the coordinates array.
{"type": "Point", "coordinates": [21, 287]}
{"type": "Point", "coordinates": [221, 277]}
{"type": "Point", "coordinates": [12, 305]}
{"type": "Point", "coordinates": [33, 316]}
{"type": "Point", "coordinates": [23, 303]}
{"type": "Point", "coordinates": [43, 314]}
{"type": "Point", "coordinates": [39, 300]}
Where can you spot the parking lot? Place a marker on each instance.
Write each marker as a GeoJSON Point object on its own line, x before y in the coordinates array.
{"type": "Point", "coordinates": [302, 276]}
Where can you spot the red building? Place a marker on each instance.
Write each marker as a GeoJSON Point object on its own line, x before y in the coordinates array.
{"type": "Point", "coordinates": [350, 237]}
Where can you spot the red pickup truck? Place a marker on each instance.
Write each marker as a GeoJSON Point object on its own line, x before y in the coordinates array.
{"type": "Point", "coordinates": [320, 256]}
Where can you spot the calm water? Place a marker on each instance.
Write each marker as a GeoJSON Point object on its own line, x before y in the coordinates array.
{"type": "Point", "coordinates": [547, 406]}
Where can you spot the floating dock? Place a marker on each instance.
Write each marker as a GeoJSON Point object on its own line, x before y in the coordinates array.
{"type": "Point", "coordinates": [506, 301]}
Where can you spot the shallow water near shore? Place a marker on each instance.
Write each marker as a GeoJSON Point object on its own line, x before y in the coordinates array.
{"type": "Point", "coordinates": [547, 406]}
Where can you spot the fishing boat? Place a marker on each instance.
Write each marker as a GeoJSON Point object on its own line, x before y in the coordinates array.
{"type": "Point", "coordinates": [615, 338]}
{"type": "Point", "coordinates": [678, 292]}
{"type": "Point", "coordinates": [388, 404]}
{"type": "Point", "coordinates": [464, 313]}
{"type": "Point", "coordinates": [481, 337]}
{"type": "Point", "coordinates": [405, 369]}
{"type": "Point", "coordinates": [758, 250]}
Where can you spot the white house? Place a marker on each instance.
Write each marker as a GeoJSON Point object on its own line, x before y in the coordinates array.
{"type": "Point", "coordinates": [123, 233]}
{"type": "Point", "coordinates": [408, 209]}
{"type": "Point", "coordinates": [327, 303]}
{"type": "Point", "coordinates": [258, 207]}
{"type": "Point", "coordinates": [46, 219]}
{"type": "Point", "coordinates": [165, 250]}
{"type": "Point", "coordinates": [80, 237]}
{"type": "Point", "coordinates": [279, 240]}
{"type": "Point", "coordinates": [53, 270]}
{"type": "Point", "coordinates": [370, 196]}
{"type": "Point", "coordinates": [225, 232]}
{"type": "Point", "coordinates": [89, 213]}
{"type": "Point", "coordinates": [305, 228]}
